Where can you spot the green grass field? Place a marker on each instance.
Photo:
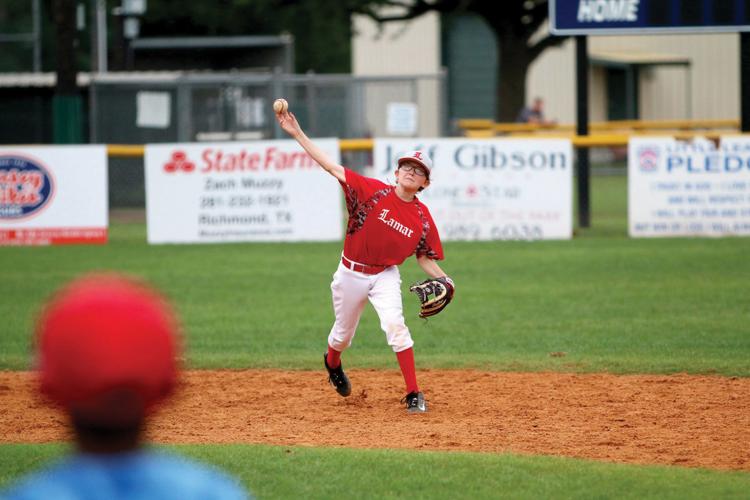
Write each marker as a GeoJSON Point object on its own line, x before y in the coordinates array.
{"type": "Point", "coordinates": [301, 472]}
{"type": "Point", "coordinates": [608, 302]}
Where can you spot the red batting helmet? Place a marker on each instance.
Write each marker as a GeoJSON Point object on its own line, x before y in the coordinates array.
{"type": "Point", "coordinates": [419, 157]}
{"type": "Point", "coordinates": [104, 335]}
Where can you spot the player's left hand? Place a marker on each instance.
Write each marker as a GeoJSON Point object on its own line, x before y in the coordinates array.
{"type": "Point", "coordinates": [434, 294]}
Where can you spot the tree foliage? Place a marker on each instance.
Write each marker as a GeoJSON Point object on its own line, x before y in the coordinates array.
{"type": "Point", "coordinates": [321, 28]}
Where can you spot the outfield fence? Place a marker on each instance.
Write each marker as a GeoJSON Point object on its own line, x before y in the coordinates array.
{"type": "Point", "coordinates": [480, 127]}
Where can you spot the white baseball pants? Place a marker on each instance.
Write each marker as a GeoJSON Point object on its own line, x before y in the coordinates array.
{"type": "Point", "coordinates": [351, 290]}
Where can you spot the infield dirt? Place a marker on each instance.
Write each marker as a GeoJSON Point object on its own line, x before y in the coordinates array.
{"type": "Point", "coordinates": [694, 421]}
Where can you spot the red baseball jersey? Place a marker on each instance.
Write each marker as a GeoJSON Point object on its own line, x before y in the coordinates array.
{"type": "Point", "coordinates": [383, 229]}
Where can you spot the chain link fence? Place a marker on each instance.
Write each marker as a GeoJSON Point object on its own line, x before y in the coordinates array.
{"type": "Point", "coordinates": [141, 108]}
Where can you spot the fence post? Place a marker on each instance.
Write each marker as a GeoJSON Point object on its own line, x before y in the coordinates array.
{"type": "Point", "coordinates": [184, 110]}
{"type": "Point", "coordinates": [745, 81]}
{"type": "Point", "coordinates": [311, 104]}
{"type": "Point", "coordinates": [444, 115]}
{"type": "Point", "coordinates": [93, 111]}
{"type": "Point", "coordinates": [276, 92]}
{"type": "Point", "coordinates": [582, 128]}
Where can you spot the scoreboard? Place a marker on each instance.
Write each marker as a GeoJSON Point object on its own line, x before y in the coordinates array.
{"type": "Point", "coordinates": [629, 17]}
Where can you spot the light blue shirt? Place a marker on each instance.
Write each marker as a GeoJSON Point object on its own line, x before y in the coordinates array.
{"type": "Point", "coordinates": [137, 475]}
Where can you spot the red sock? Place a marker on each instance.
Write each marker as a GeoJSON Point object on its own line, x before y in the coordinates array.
{"type": "Point", "coordinates": [333, 358]}
{"type": "Point", "coordinates": [406, 362]}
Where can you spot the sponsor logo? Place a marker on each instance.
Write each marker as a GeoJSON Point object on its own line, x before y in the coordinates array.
{"type": "Point", "coordinates": [394, 224]}
{"type": "Point", "coordinates": [179, 162]}
{"type": "Point", "coordinates": [216, 160]}
{"type": "Point", "coordinates": [648, 158]}
{"type": "Point", "coordinates": [26, 187]}
{"type": "Point", "coordinates": [600, 11]}
{"type": "Point", "coordinates": [699, 156]}
{"type": "Point", "coordinates": [707, 163]}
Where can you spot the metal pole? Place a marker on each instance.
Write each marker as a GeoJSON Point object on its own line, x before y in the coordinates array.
{"type": "Point", "coordinates": [689, 92]}
{"type": "Point", "coordinates": [93, 56]}
{"type": "Point", "coordinates": [445, 128]}
{"type": "Point", "coordinates": [745, 81]}
{"type": "Point", "coordinates": [184, 111]}
{"type": "Point", "coordinates": [93, 111]}
{"type": "Point", "coordinates": [582, 128]}
{"type": "Point", "coordinates": [101, 36]}
{"type": "Point", "coordinates": [312, 108]}
{"type": "Point", "coordinates": [37, 20]}
{"type": "Point", "coordinates": [277, 91]}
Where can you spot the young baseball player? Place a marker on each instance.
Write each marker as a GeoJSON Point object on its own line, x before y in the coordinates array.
{"type": "Point", "coordinates": [386, 225]}
{"type": "Point", "coordinates": [107, 352]}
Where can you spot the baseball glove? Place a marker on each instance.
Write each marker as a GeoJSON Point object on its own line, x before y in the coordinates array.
{"type": "Point", "coordinates": [434, 294]}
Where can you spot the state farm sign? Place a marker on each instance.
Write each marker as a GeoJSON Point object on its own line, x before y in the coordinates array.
{"type": "Point", "coordinates": [224, 192]}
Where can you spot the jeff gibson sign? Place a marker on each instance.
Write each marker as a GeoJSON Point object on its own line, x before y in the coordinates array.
{"type": "Point", "coordinates": [492, 189]}
{"type": "Point", "coordinates": [602, 17]}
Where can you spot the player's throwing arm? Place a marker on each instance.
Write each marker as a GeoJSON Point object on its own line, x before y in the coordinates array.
{"type": "Point", "coordinates": [290, 125]}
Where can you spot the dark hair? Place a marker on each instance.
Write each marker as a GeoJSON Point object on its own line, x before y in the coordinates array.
{"type": "Point", "coordinates": [110, 422]}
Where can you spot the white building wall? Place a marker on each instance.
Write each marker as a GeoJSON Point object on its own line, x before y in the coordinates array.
{"type": "Point", "coordinates": [713, 77]}
{"type": "Point", "coordinates": [399, 48]}
{"type": "Point", "coordinates": [413, 47]}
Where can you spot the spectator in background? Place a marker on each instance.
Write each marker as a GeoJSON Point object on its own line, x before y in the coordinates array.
{"type": "Point", "coordinates": [106, 354]}
{"type": "Point", "coordinates": [534, 113]}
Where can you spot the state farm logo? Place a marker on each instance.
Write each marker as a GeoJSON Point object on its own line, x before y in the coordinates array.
{"type": "Point", "coordinates": [179, 162]}
{"type": "Point", "coordinates": [648, 158]}
{"type": "Point", "coordinates": [217, 160]}
{"type": "Point", "coordinates": [26, 187]}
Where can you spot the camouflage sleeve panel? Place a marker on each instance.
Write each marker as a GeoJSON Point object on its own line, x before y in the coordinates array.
{"type": "Point", "coordinates": [358, 215]}
{"type": "Point", "coordinates": [424, 249]}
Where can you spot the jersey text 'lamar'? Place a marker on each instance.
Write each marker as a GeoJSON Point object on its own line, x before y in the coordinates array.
{"type": "Point", "coordinates": [393, 223]}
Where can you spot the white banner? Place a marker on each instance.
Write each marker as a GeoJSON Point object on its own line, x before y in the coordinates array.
{"type": "Point", "coordinates": [492, 189]}
{"type": "Point", "coordinates": [255, 191]}
{"type": "Point", "coordinates": [697, 188]}
{"type": "Point", "coordinates": [53, 195]}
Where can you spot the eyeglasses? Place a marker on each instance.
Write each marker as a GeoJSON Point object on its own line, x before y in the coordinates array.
{"type": "Point", "coordinates": [418, 171]}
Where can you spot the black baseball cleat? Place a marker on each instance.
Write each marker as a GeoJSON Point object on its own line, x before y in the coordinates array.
{"type": "Point", "coordinates": [415, 402]}
{"type": "Point", "coordinates": [338, 378]}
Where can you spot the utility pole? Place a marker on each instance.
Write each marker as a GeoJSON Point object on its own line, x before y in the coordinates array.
{"type": "Point", "coordinates": [99, 36]}
{"type": "Point", "coordinates": [67, 104]}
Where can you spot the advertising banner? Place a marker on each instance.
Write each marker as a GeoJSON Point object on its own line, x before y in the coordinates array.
{"type": "Point", "coordinates": [696, 188]}
{"type": "Point", "coordinates": [491, 189]}
{"type": "Point", "coordinates": [230, 192]}
{"type": "Point", "coordinates": [53, 195]}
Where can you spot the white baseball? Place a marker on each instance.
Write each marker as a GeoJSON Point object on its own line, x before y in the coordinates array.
{"type": "Point", "coordinates": [280, 105]}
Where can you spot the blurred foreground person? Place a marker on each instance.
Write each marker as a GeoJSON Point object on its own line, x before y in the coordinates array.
{"type": "Point", "coordinates": [106, 351]}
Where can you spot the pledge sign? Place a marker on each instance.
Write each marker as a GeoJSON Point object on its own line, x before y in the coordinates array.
{"type": "Point", "coordinates": [231, 192]}
{"type": "Point", "coordinates": [695, 188]}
